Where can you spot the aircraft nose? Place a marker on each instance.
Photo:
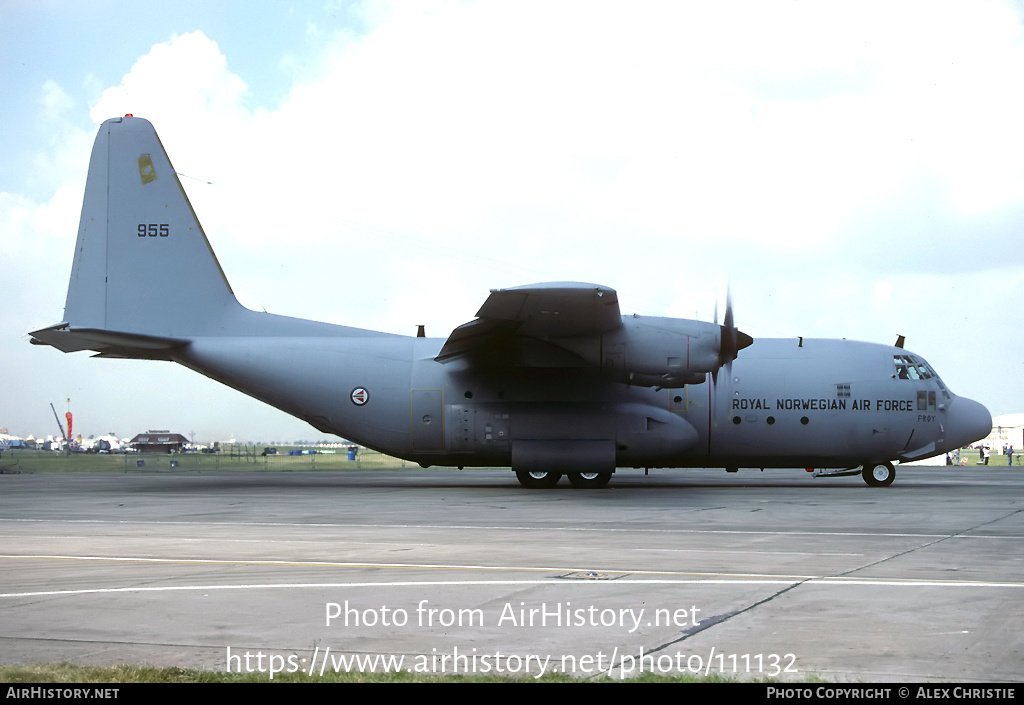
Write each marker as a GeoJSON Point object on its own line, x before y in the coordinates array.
{"type": "Point", "coordinates": [967, 421]}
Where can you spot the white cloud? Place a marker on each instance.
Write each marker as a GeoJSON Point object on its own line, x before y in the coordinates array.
{"type": "Point", "coordinates": [183, 80]}
{"type": "Point", "coordinates": [55, 101]}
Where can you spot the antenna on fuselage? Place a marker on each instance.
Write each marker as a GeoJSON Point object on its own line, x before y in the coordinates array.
{"type": "Point", "coordinates": [899, 341]}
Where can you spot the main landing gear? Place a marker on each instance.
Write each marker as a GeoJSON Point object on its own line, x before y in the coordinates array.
{"type": "Point", "coordinates": [589, 480]}
{"type": "Point", "coordinates": [878, 474]}
{"type": "Point", "coordinates": [539, 479]}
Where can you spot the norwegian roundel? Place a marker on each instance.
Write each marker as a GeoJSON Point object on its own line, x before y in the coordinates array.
{"type": "Point", "coordinates": [360, 396]}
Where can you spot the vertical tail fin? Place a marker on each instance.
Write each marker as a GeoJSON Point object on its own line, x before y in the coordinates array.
{"type": "Point", "coordinates": [145, 281]}
{"type": "Point", "coordinates": [142, 262]}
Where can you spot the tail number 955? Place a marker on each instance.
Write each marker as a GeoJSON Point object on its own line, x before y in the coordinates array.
{"type": "Point", "coordinates": [154, 230]}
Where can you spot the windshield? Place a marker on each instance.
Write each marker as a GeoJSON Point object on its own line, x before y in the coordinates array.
{"type": "Point", "coordinates": [911, 367]}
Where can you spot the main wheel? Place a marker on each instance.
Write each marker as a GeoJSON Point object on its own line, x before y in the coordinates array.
{"type": "Point", "coordinates": [538, 479]}
{"type": "Point", "coordinates": [878, 474]}
{"type": "Point", "coordinates": [589, 480]}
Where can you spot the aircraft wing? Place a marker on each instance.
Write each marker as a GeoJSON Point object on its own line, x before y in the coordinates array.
{"type": "Point", "coordinates": [515, 323]}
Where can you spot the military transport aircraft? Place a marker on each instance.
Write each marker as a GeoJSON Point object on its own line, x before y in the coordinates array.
{"type": "Point", "coordinates": [549, 379]}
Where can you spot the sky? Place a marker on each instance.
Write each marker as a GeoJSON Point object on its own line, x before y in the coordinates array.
{"type": "Point", "coordinates": [845, 169]}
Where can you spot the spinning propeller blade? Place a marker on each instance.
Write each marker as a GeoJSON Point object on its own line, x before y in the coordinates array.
{"type": "Point", "coordinates": [733, 339]}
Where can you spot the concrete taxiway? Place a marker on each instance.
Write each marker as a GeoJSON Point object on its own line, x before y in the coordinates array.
{"type": "Point", "coordinates": [751, 574]}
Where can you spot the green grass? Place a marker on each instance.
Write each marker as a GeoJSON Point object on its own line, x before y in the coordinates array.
{"type": "Point", "coordinates": [39, 461]}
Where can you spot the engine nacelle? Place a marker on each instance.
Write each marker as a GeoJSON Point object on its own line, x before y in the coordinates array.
{"type": "Point", "coordinates": [652, 351]}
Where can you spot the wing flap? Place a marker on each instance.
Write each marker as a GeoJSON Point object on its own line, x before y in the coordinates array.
{"type": "Point", "coordinates": [544, 312]}
{"type": "Point", "coordinates": [482, 334]}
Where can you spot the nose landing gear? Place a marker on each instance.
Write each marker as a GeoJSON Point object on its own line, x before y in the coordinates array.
{"type": "Point", "coordinates": [878, 474]}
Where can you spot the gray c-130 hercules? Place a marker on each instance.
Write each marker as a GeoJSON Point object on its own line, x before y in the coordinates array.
{"type": "Point", "coordinates": [549, 379]}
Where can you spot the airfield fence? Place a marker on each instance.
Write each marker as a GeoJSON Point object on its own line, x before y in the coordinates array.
{"type": "Point", "coordinates": [33, 461]}
{"type": "Point", "coordinates": [250, 459]}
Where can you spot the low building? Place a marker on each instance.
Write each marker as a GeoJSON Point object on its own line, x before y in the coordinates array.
{"type": "Point", "coordinates": [1007, 429]}
{"type": "Point", "coordinates": [159, 442]}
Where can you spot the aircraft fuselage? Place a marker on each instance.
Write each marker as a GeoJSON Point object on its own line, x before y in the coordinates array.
{"type": "Point", "coordinates": [785, 403]}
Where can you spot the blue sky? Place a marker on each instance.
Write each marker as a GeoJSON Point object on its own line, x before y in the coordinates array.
{"type": "Point", "coordinates": [85, 47]}
{"type": "Point", "coordinates": [849, 169]}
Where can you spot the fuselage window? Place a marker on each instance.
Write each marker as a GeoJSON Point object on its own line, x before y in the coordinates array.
{"type": "Point", "coordinates": [926, 401]}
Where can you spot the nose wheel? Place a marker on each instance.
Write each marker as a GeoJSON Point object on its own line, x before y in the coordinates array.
{"type": "Point", "coordinates": [878, 474]}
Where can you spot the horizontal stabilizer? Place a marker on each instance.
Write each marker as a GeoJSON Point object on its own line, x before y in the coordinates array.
{"type": "Point", "coordinates": [106, 343]}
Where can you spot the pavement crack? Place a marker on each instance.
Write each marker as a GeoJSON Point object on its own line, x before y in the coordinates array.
{"type": "Point", "coordinates": [717, 619]}
{"type": "Point", "coordinates": [928, 544]}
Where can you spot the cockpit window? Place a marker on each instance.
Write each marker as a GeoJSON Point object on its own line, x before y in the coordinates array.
{"type": "Point", "coordinates": [910, 367]}
{"type": "Point", "coordinates": [907, 367]}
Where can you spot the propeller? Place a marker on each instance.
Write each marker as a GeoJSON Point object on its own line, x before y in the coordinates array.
{"type": "Point", "coordinates": [733, 339]}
